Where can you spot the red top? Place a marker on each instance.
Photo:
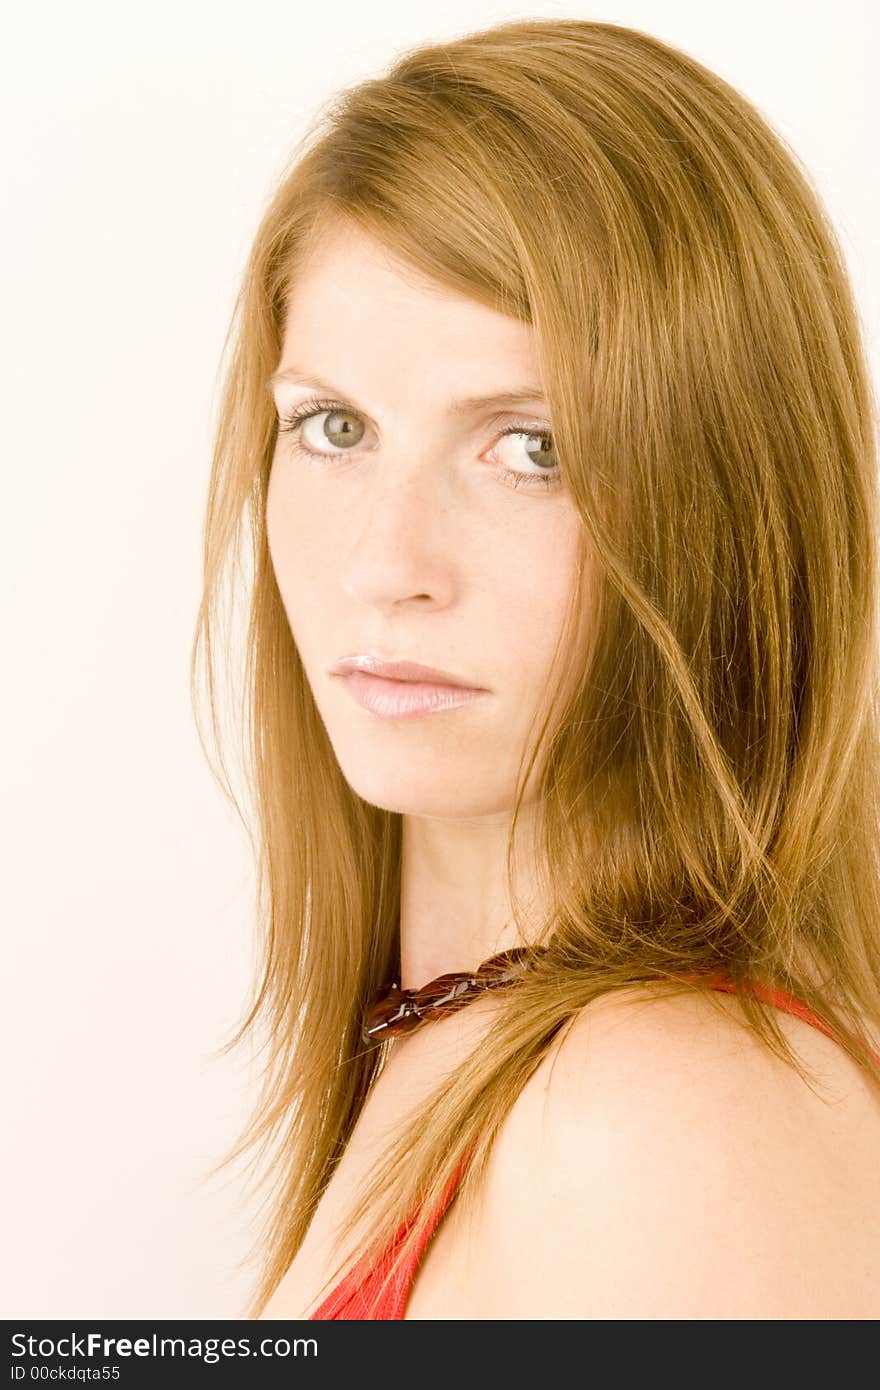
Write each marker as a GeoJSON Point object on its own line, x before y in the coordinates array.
{"type": "Point", "coordinates": [355, 1293]}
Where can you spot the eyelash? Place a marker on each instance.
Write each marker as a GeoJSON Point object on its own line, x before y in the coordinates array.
{"type": "Point", "coordinates": [292, 423]}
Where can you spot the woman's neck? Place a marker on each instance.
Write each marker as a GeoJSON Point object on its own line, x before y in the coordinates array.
{"type": "Point", "coordinates": [455, 908]}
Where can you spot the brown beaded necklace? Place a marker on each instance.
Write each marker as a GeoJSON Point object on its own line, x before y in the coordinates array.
{"type": "Point", "coordinates": [395, 1011]}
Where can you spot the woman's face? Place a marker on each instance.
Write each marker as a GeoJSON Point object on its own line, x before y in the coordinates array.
{"type": "Point", "coordinates": [408, 526]}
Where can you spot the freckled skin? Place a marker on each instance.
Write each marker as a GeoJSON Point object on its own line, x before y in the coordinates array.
{"type": "Point", "coordinates": [416, 545]}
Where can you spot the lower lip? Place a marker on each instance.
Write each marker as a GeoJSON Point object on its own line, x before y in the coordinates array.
{"type": "Point", "coordinates": [392, 699]}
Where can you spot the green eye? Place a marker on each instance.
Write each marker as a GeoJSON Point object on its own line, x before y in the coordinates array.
{"type": "Point", "coordinates": [348, 435]}
{"type": "Point", "coordinates": [542, 457]}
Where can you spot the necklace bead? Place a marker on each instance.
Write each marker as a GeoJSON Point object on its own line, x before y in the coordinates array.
{"type": "Point", "coordinates": [396, 1011]}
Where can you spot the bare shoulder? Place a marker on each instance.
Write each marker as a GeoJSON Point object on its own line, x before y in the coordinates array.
{"type": "Point", "coordinates": [662, 1163]}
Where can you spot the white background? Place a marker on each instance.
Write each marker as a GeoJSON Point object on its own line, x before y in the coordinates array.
{"type": "Point", "coordinates": [139, 147]}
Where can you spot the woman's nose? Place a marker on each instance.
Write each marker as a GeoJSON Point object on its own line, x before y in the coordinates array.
{"type": "Point", "coordinates": [402, 542]}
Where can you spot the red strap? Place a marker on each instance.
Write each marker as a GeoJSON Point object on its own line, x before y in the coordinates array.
{"type": "Point", "coordinates": [353, 1296]}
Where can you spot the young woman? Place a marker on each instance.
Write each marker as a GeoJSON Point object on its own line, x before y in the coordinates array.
{"type": "Point", "coordinates": [547, 377]}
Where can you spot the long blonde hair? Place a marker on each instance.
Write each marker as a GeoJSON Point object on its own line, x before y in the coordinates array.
{"type": "Point", "coordinates": [708, 793]}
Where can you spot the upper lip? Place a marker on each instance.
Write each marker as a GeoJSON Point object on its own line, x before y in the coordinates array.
{"type": "Point", "coordinates": [399, 670]}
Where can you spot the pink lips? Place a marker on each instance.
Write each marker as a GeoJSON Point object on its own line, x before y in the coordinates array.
{"type": "Point", "coordinates": [403, 689]}
{"type": "Point", "coordinates": [399, 671]}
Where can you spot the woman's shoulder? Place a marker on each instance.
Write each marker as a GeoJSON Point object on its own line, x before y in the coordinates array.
{"type": "Point", "coordinates": [662, 1162]}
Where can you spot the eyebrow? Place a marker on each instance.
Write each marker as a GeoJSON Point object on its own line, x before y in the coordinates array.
{"type": "Point", "coordinates": [465, 405]}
